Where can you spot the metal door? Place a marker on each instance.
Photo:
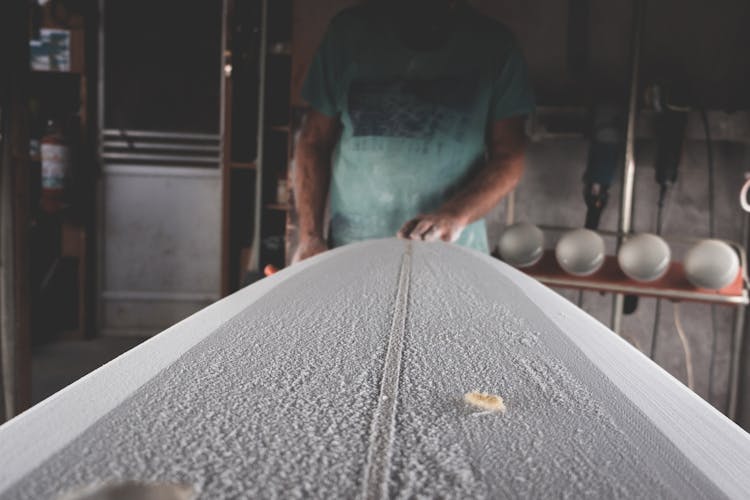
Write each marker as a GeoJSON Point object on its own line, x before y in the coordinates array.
{"type": "Point", "coordinates": [160, 107]}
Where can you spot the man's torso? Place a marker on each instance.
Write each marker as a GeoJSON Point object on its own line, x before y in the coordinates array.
{"type": "Point", "coordinates": [414, 122]}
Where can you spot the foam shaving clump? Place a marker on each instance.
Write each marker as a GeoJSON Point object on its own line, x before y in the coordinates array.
{"type": "Point", "coordinates": [485, 401]}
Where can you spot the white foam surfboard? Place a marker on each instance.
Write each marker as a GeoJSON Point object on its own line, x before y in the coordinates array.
{"type": "Point", "coordinates": [345, 376]}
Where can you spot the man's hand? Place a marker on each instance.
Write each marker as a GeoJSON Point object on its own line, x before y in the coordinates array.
{"type": "Point", "coordinates": [496, 178]}
{"type": "Point", "coordinates": [309, 247]}
{"type": "Point", "coordinates": [433, 227]}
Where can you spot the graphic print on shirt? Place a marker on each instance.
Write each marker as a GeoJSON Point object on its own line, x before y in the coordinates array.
{"type": "Point", "coordinates": [414, 109]}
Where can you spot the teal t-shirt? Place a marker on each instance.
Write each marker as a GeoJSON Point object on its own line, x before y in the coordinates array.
{"type": "Point", "coordinates": [414, 122]}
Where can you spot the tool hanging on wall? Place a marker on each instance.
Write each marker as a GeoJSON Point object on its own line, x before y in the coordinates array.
{"type": "Point", "coordinates": [711, 234]}
{"type": "Point", "coordinates": [670, 126]}
{"type": "Point", "coordinates": [669, 138]}
{"type": "Point", "coordinates": [605, 153]}
{"type": "Point", "coordinates": [627, 188]}
{"type": "Point", "coordinates": [606, 148]}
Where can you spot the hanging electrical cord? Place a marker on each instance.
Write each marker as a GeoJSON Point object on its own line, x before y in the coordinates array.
{"type": "Point", "coordinates": [712, 234]}
{"type": "Point", "coordinates": [657, 310]}
{"type": "Point", "coordinates": [670, 126]}
{"type": "Point", "coordinates": [685, 346]}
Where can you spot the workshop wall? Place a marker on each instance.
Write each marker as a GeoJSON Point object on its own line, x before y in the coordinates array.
{"type": "Point", "coordinates": [699, 45]}
{"type": "Point", "coordinates": [695, 47]}
{"type": "Point", "coordinates": [551, 194]}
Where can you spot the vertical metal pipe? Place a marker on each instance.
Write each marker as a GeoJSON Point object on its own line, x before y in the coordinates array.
{"type": "Point", "coordinates": [260, 160]}
{"type": "Point", "coordinates": [735, 367]}
{"type": "Point", "coordinates": [101, 126]}
{"type": "Point", "coordinates": [736, 403]}
{"type": "Point", "coordinates": [628, 173]}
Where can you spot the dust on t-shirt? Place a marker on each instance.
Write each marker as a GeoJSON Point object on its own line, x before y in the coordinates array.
{"type": "Point", "coordinates": [414, 122]}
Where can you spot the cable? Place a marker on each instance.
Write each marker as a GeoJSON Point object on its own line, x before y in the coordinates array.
{"type": "Point", "coordinates": [712, 234]}
{"type": "Point", "coordinates": [663, 192]}
{"type": "Point", "coordinates": [633, 341]}
{"type": "Point", "coordinates": [685, 346]}
{"type": "Point", "coordinates": [655, 329]}
{"type": "Point", "coordinates": [657, 311]}
{"type": "Point", "coordinates": [670, 128]}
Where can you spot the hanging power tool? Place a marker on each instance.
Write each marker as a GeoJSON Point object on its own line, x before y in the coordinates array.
{"type": "Point", "coordinates": [606, 148]}
{"type": "Point", "coordinates": [605, 153]}
{"type": "Point", "coordinates": [670, 126]}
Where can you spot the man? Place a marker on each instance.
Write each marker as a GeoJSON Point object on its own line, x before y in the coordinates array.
{"type": "Point", "coordinates": [416, 126]}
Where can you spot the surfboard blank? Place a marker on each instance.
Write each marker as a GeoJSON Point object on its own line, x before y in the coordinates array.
{"type": "Point", "coordinates": [345, 377]}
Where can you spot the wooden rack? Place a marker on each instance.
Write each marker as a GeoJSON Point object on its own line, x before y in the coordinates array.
{"type": "Point", "coordinates": [610, 278]}
{"type": "Point", "coordinates": [672, 286]}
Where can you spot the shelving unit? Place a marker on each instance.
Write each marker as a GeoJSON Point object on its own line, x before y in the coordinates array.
{"type": "Point", "coordinates": [673, 286]}
{"type": "Point", "coordinates": [61, 241]}
{"type": "Point", "coordinates": [257, 137]}
{"type": "Point", "coordinates": [276, 134]}
{"type": "Point", "coordinates": [610, 279]}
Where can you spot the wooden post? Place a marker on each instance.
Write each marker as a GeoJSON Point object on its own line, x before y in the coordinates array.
{"type": "Point", "coordinates": [15, 330]}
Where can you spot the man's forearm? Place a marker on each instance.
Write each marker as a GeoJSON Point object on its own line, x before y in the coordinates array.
{"type": "Point", "coordinates": [494, 180]}
{"type": "Point", "coordinates": [311, 180]}
{"type": "Point", "coordinates": [485, 188]}
{"type": "Point", "coordinates": [312, 174]}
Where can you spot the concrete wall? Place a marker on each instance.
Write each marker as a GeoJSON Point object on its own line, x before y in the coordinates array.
{"type": "Point", "coordinates": [696, 42]}
{"type": "Point", "coordinates": [700, 45]}
{"type": "Point", "coordinates": [551, 194]}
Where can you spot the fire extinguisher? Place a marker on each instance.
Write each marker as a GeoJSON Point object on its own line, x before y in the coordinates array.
{"type": "Point", "coordinates": [56, 167]}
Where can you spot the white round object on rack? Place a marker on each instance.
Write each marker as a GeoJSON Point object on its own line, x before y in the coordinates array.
{"type": "Point", "coordinates": [711, 264]}
{"type": "Point", "coordinates": [580, 252]}
{"type": "Point", "coordinates": [644, 257]}
{"type": "Point", "coordinates": [521, 245]}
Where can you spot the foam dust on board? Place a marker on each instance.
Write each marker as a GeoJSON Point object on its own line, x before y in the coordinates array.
{"type": "Point", "coordinates": [281, 397]}
{"type": "Point", "coordinates": [485, 401]}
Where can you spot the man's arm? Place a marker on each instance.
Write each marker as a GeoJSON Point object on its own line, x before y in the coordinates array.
{"type": "Point", "coordinates": [312, 174]}
{"type": "Point", "coordinates": [496, 178]}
